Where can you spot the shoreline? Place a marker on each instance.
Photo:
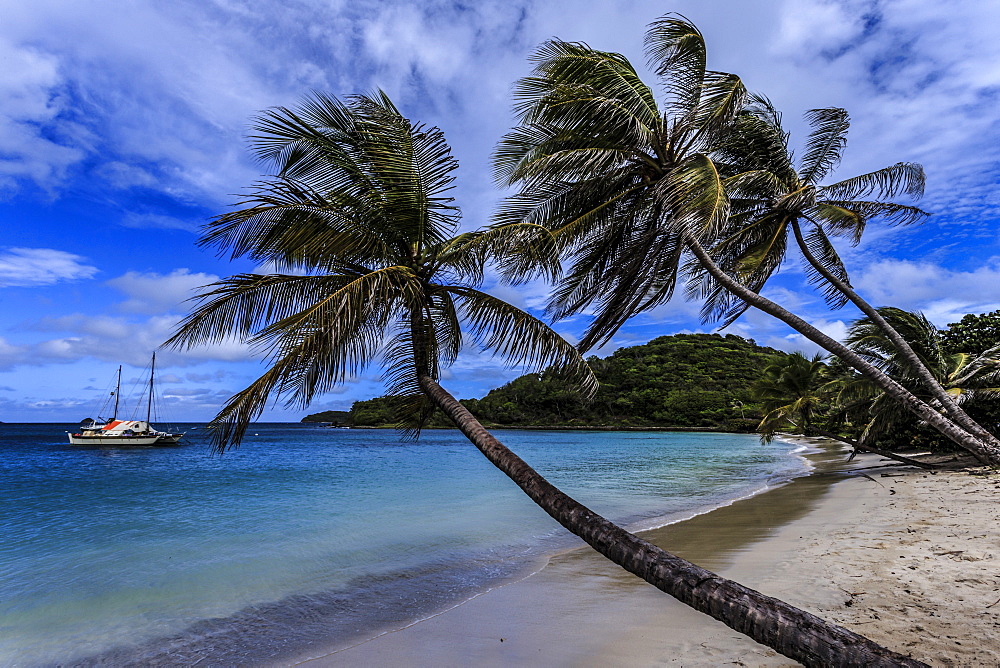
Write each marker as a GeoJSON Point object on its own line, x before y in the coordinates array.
{"type": "Point", "coordinates": [712, 536]}
{"type": "Point", "coordinates": [910, 560]}
{"type": "Point", "coordinates": [495, 427]}
{"type": "Point", "coordinates": [280, 628]}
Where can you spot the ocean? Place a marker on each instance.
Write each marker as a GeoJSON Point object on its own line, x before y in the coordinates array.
{"type": "Point", "coordinates": [307, 536]}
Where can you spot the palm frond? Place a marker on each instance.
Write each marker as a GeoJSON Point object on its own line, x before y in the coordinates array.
{"type": "Point", "coordinates": [287, 222]}
{"type": "Point", "coordinates": [697, 196]}
{"type": "Point", "coordinates": [519, 338]}
{"type": "Point", "coordinates": [902, 178]}
{"type": "Point", "coordinates": [577, 87]}
{"type": "Point", "coordinates": [825, 144]}
{"type": "Point", "coordinates": [850, 219]}
{"type": "Point", "coordinates": [630, 273]}
{"type": "Point", "coordinates": [520, 251]}
{"type": "Point", "coordinates": [820, 247]}
{"type": "Point", "coordinates": [675, 51]}
{"type": "Point", "coordinates": [242, 305]}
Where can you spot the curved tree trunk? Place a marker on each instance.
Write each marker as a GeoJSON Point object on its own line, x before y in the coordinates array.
{"type": "Point", "coordinates": [795, 633]}
{"type": "Point", "coordinates": [982, 451]}
{"type": "Point", "coordinates": [926, 378]}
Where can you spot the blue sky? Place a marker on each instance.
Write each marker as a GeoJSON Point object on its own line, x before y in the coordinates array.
{"type": "Point", "coordinates": [122, 125]}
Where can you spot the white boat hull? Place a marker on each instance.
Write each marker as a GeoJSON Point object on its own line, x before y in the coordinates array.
{"type": "Point", "coordinates": [78, 439]}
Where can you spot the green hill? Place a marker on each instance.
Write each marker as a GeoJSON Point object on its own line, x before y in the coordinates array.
{"type": "Point", "coordinates": [333, 417]}
{"type": "Point", "coordinates": [680, 381]}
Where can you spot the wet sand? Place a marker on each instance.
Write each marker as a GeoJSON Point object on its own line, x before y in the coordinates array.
{"type": "Point", "coordinates": [883, 556]}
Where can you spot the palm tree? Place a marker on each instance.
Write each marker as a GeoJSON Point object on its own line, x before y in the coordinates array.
{"type": "Point", "coordinates": [359, 205]}
{"type": "Point", "coordinates": [773, 200]}
{"type": "Point", "coordinates": [968, 379]}
{"type": "Point", "coordinates": [790, 390]}
{"type": "Point", "coordinates": [627, 188]}
{"type": "Point", "coordinates": [795, 390]}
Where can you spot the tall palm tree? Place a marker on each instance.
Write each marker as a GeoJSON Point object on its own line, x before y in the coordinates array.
{"type": "Point", "coordinates": [626, 187]}
{"type": "Point", "coordinates": [360, 205]}
{"type": "Point", "coordinates": [772, 200]}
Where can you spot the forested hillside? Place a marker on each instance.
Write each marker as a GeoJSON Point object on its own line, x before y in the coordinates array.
{"type": "Point", "coordinates": [685, 380]}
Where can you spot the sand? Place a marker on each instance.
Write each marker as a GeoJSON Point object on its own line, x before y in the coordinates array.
{"type": "Point", "coordinates": [911, 560]}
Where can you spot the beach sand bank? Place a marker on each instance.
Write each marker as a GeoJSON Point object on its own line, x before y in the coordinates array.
{"type": "Point", "coordinates": [911, 561]}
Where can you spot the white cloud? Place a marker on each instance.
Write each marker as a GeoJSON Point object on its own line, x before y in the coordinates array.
{"type": "Point", "coordinates": [158, 221]}
{"type": "Point", "coordinates": [113, 339]}
{"type": "Point", "coordinates": [41, 266]}
{"type": "Point", "coordinates": [820, 26]}
{"type": "Point", "coordinates": [157, 293]}
{"type": "Point", "coordinates": [943, 294]}
{"type": "Point", "coordinates": [31, 88]}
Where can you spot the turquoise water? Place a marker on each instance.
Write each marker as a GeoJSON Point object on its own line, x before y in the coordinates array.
{"type": "Point", "coordinates": [305, 535]}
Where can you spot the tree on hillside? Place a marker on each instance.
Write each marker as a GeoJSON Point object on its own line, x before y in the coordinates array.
{"type": "Point", "coordinates": [360, 204]}
{"type": "Point", "coordinates": [973, 334]}
{"type": "Point", "coordinates": [796, 391]}
{"type": "Point", "coordinates": [628, 189]}
{"type": "Point", "coordinates": [791, 390]}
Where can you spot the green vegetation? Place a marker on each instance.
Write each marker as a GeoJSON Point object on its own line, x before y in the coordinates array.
{"type": "Point", "coordinates": [814, 398]}
{"type": "Point", "coordinates": [973, 334]}
{"type": "Point", "coordinates": [681, 381]}
{"type": "Point", "coordinates": [332, 417]}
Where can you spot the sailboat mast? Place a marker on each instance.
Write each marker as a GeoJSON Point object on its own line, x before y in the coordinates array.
{"type": "Point", "coordinates": [118, 391]}
{"type": "Point", "coordinates": [149, 403]}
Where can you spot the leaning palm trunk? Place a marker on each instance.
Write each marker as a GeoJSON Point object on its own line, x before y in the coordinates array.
{"type": "Point", "coordinates": [794, 633]}
{"type": "Point", "coordinates": [984, 452]}
{"type": "Point", "coordinates": [923, 374]}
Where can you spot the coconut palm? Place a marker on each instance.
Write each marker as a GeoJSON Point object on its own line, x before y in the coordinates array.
{"type": "Point", "coordinates": [772, 200]}
{"type": "Point", "coordinates": [968, 379]}
{"type": "Point", "coordinates": [359, 210]}
{"type": "Point", "coordinates": [790, 390]}
{"type": "Point", "coordinates": [796, 390]}
{"type": "Point", "coordinates": [359, 217]}
{"type": "Point", "coordinates": [627, 188]}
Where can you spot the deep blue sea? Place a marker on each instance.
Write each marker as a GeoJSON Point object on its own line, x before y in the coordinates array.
{"type": "Point", "coordinates": [307, 535]}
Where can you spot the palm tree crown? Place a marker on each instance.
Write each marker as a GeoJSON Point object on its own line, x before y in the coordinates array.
{"type": "Point", "coordinates": [359, 205]}
{"type": "Point", "coordinates": [613, 176]}
{"type": "Point", "coordinates": [772, 199]}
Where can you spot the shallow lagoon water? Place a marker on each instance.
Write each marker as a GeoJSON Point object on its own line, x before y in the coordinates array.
{"type": "Point", "coordinates": [306, 534]}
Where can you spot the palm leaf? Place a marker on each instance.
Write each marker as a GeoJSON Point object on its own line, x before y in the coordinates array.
{"type": "Point", "coordinates": [825, 144]}
{"type": "Point", "coordinates": [675, 51]}
{"type": "Point", "coordinates": [519, 338]}
{"type": "Point", "coordinates": [903, 177]}
{"type": "Point", "coordinates": [818, 245]}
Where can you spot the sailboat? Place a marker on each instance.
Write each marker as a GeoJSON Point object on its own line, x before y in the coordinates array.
{"type": "Point", "coordinates": [126, 432]}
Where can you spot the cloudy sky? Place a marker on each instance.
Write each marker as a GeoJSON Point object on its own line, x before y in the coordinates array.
{"type": "Point", "coordinates": [122, 131]}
